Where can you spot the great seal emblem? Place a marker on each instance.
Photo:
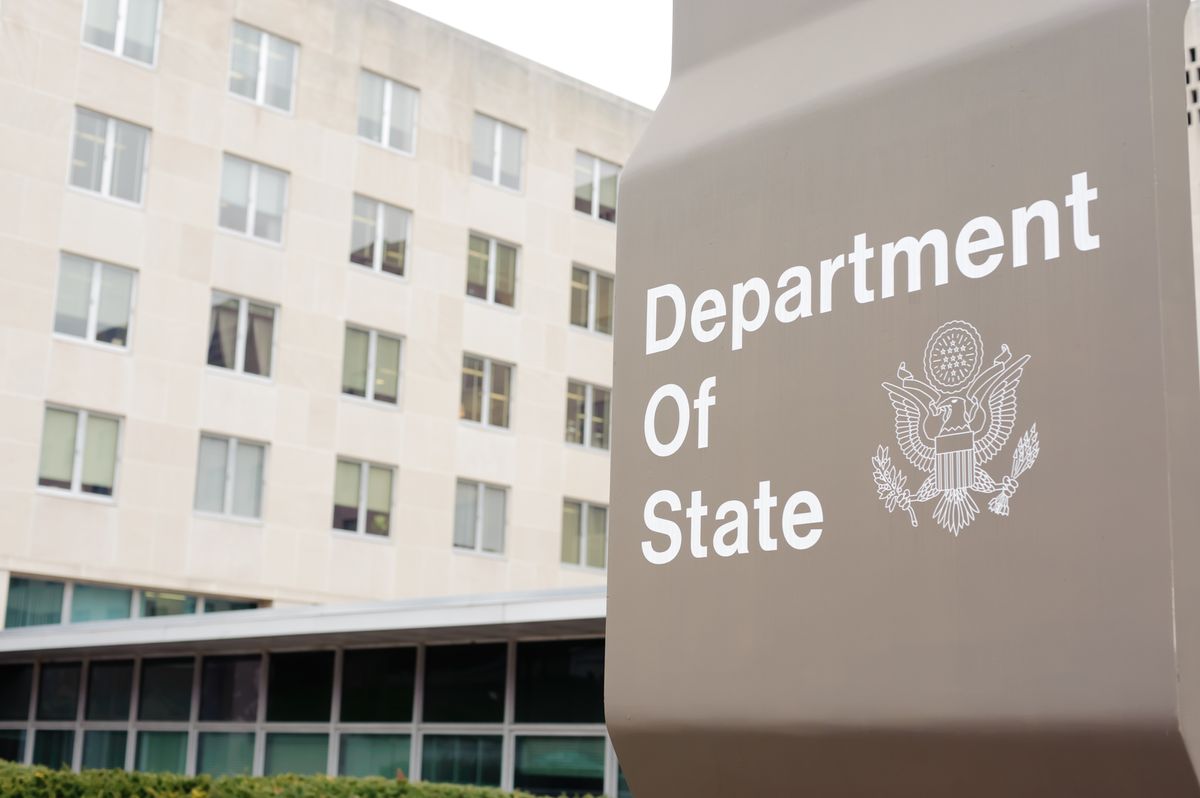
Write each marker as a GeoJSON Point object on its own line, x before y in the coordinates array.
{"type": "Point", "coordinates": [950, 424]}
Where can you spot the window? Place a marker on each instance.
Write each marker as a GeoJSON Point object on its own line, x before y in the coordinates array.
{"type": "Point", "coordinates": [79, 452]}
{"type": "Point", "coordinates": [377, 686]}
{"type": "Point", "coordinates": [16, 685]}
{"type": "Point", "coordinates": [52, 748]}
{"type": "Point", "coordinates": [496, 151]}
{"type": "Point", "coordinates": [301, 754]}
{"type": "Point", "coordinates": [560, 681]}
{"type": "Point", "coordinates": [166, 690]}
{"type": "Point", "coordinates": [559, 765]}
{"type": "Point", "coordinates": [94, 300]}
{"type": "Point", "coordinates": [383, 755]}
{"type": "Point", "coordinates": [103, 750]}
{"type": "Point", "coordinates": [157, 603]}
{"type": "Point", "coordinates": [300, 687]}
{"type": "Point", "coordinates": [161, 751]}
{"type": "Point", "coordinates": [491, 270]}
{"type": "Point", "coordinates": [241, 334]}
{"type": "Point", "coordinates": [109, 156]}
{"type": "Point", "coordinates": [371, 365]}
{"type": "Point", "coordinates": [588, 410]}
{"type": "Point", "coordinates": [110, 688]}
{"type": "Point", "coordinates": [387, 112]}
{"type": "Point", "coordinates": [379, 237]}
{"type": "Point", "coordinates": [584, 534]}
{"type": "Point", "coordinates": [591, 300]}
{"type": "Point", "coordinates": [229, 688]}
{"type": "Point", "coordinates": [486, 391]}
{"type": "Point", "coordinates": [362, 498]}
{"type": "Point", "coordinates": [126, 27]}
{"type": "Point", "coordinates": [462, 759]}
{"type": "Point", "coordinates": [225, 753]}
{"type": "Point", "coordinates": [261, 67]}
{"type": "Point", "coordinates": [96, 603]}
{"type": "Point", "coordinates": [253, 198]}
{"type": "Point", "coordinates": [479, 517]}
{"type": "Point", "coordinates": [465, 683]}
{"type": "Point", "coordinates": [229, 479]}
{"type": "Point", "coordinates": [58, 691]}
{"type": "Point", "coordinates": [596, 187]}
{"type": "Point", "coordinates": [33, 602]}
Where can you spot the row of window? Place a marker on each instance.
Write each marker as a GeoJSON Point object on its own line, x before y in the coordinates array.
{"type": "Point", "coordinates": [79, 455]}
{"type": "Point", "coordinates": [37, 602]}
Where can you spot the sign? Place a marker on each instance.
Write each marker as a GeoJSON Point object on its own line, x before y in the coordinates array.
{"type": "Point", "coordinates": [904, 492]}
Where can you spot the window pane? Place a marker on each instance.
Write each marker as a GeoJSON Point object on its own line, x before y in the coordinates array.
{"type": "Point", "coordinates": [477, 267]}
{"type": "Point", "coordinates": [377, 685]}
{"type": "Point", "coordinates": [493, 519]}
{"type": "Point", "coordinates": [260, 331]}
{"type": "Point", "coordinates": [157, 604]}
{"type": "Point", "coordinates": [210, 475]}
{"type": "Point", "coordinates": [404, 118]}
{"type": "Point", "coordinates": [465, 497]}
{"type": "Point", "coordinates": [74, 296]}
{"type": "Point", "coordinates": [103, 750]}
{"type": "Point", "coordinates": [58, 448]}
{"type": "Point", "coordinates": [583, 182]}
{"type": "Point", "coordinates": [597, 536]}
{"type": "Point", "coordinates": [461, 759]}
{"type": "Point", "coordinates": [166, 692]}
{"type": "Point", "coordinates": [16, 682]}
{"type": "Point", "coordinates": [387, 369]}
{"type": "Point", "coordinates": [576, 411]}
{"type": "Point", "coordinates": [560, 681]}
{"type": "Point", "coordinates": [225, 753]}
{"type": "Point", "coordinates": [579, 296]}
{"type": "Point", "coordinates": [346, 491]}
{"type": "Point", "coordinates": [608, 191]}
{"type": "Point", "coordinates": [100, 23]}
{"type": "Point", "coordinates": [161, 751]}
{"type": "Point", "coordinates": [571, 532]}
{"type": "Point", "coordinates": [110, 685]}
{"type": "Point", "coordinates": [471, 404]}
{"type": "Point", "coordinates": [141, 27]}
{"type": "Point", "coordinates": [302, 754]}
{"type": "Point", "coordinates": [500, 395]}
{"type": "Point", "coordinates": [301, 687]}
{"type": "Point", "coordinates": [511, 140]}
{"type": "Point", "coordinates": [58, 691]}
{"type": "Point", "coordinates": [281, 60]}
{"type": "Point", "coordinates": [395, 236]}
{"type": "Point", "coordinates": [370, 107]}
{"type": "Point", "coordinates": [99, 455]}
{"type": "Point", "coordinates": [604, 303]}
{"type": "Point", "coordinates": [362, 232]}
{"type": "Point", "coordinates": [247, 479]}
{"type": "Point", "coordinates": [53, 748]}
{"type": "Point", "coordinates": [12, 745]}
{"type": "Point", "coordinates": [379, 501]}
{"type": "Point", "coordinates": [601, 407]}
{"type": "Point", "coordinates": [222, 331]}
{"type": "Point", "coordinates": [483, 145]}
{"type": "Point", "coordinates": [465, 684]}
{"type": "Point", "coordinates": [506, 275]}
{"type": "Point", "coordinates": [96, 603]}
{"type": "Point", "coordinates": [383, 755]}
{"type": "Point", "coordinates": [229, 688]}
{"type": "Point", "coordinates": [112, 313]}
{"type": "Point", "coordinates": [235, 194]}
{"type": "Point", "coordinates": [87, 153]}
{"type": "Point", "coordinates": [354, 362]}
{"type": "Point", "coordinates": [129, 161]}
{"type": "Point", "coordinates": [228, 605]}
{"type": "Point", "coordinates": [560, 765]}
{"type": "Point", "coordinates": [269, 200]}
{"type": "Point", "coordinates": [33, 602]}
{"type": "Point", "coordinates": [243, 66]}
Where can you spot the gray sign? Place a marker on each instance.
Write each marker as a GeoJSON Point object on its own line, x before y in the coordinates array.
{"type": "Point", "coordinates": [905, 463]}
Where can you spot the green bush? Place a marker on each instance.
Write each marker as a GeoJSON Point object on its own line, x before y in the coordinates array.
{"type": "Point", "coordinates": [39, 782]}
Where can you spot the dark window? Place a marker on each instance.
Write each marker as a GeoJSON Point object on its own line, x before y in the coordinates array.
{"type": "Point", "coordinates": [461, 759]}
{"type": "Point", "coordinates": [53, 748]}
{"type": "Point", "coordinates": [228, 605]}
{"type": "Point", "coordinates": [12, 745]}
{"type": "Point", "coordinates": [300, 687]}
{"type": "Point", "coordinates": [229, 688]}
{"type": "Point", "coordinates": [58, 691]}
{"type": "Point", "coordinates": [465, 684]}
{"type": "Point", "coordinates": [377, 685]}
{"type": "Point", "coordinates": [109, 688]}
{"type": "Point", "coordinates": [16, 681]}
{"type": "Point", "coordinates": [560, 681]}
{"type": "Point", "coordinates": [166, 691]}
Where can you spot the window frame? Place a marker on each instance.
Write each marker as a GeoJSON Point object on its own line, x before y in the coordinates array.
{"type": "Point", "coordinates": [372, 362]}
{"type": "Point", "coordinates": [252, 200]}
{"type": "Point", "coordinates": [226, 513]}
{"type": "Point", "coordinates": [376, 266]}
{"type": "Point", "coordinates": [243, 332]}
{"type": "Point", "coordinates": [76, 490]}
{"type": "Point", "coordinates": [364, 473]}
{"type": "Point", "coordinates": [584, 506]}
{"type": "Point", "coordinates": [589, 390]}
{"type": "Point", "coordinates": [485, 406]}
{"type": "Point", "coordinates": [89, 337]}
{"type": "Point", "coordinates": [593, 279]}
{"type": "Point", "coordinates": [595, 211]}
{"type": "Point", "coordinates": [119, 34]}
{"type": "Point", "coordinates": [106, 168]}
{"type": "Point", "coordinates": [493, 244]}
{"type": "Point", "coordinates": [260, 83]}
{"type": "Point", "coordinates": [498, 126]}
{"type": "Point", "coordinates": [385, 125]}
{"type": "Point", "coordinates": [481, 487]}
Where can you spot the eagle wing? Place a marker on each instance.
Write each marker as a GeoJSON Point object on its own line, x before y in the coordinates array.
{"type": "Point", "coordinates": [1000, 412]}
{"type": "Point", "coordinates": [911, 414]}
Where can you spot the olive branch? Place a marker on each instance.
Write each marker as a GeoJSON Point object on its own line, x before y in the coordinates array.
{"type": "Point", "coordinates": [1024, 456]}
{"type": "Point", "coordinates": [890, 484]}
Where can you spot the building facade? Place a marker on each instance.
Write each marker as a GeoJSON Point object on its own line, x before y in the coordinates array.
{"type": "Point", "coordinates": [303, 303]}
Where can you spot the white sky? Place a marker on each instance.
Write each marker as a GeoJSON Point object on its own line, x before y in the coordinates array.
{"type": "Point", "coordinates": [622, 46]}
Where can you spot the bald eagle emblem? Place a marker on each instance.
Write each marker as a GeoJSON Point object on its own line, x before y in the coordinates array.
{"type": "Point", "coordinates": [951, 424]}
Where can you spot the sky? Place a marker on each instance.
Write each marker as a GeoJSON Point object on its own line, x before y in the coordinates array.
{"type": "Point", "coordinates": [621, 46]}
